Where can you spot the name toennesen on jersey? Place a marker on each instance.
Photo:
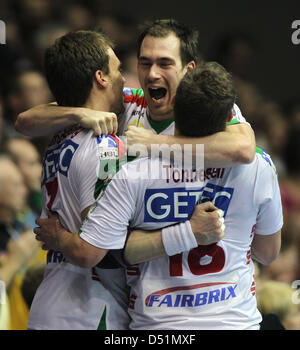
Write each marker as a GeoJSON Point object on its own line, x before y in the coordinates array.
{"type": "Point", "coordinates": [177, 204]}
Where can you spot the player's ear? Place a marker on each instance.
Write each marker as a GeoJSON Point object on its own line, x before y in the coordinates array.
{"type": "Point", "coordinates": [230, 116]}
{"type": "Point", "coordinates": [191, 65]}
{"type": "Point", "coordinates": [100, 78]}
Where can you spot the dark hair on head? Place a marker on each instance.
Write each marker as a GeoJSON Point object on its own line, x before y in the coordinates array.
{"type": "Point", "coordinates": [188, 36]}
{"type": "Point", "coordinates": [71, 62]}
{"type": "Point", "coordinates": [204, 98]}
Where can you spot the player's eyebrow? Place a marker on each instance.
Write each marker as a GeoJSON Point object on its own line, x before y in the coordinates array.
{"type": "Point", "coordinates": [160, 59]}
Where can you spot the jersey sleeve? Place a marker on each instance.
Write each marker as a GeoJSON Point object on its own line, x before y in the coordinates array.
{"type": "Point", "coordinates": [270, 216]}
{"type": "Point", "coordinates": [87, 174]}
{"type": "Point", "coordinates": [107, 222]}
{"type": "Point", "coordinates": [238, 118]}
{"type": "Point", "coordinates": [133, 100]}
{"type": "Point", "coordinates": [97, 164]}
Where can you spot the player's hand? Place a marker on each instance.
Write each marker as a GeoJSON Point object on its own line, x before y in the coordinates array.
{"type": "Point", "coordinates": [207, 223]}
{"type": "Point", "coordinates": [48, 231]}
{"type": "Point", "coordinates": [135, 135]}
{"type": "Point", "coordinates": [100, 122]}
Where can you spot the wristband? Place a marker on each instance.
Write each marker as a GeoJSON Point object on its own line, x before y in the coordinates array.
{"type": "Point", "coordinates": [178, 238]}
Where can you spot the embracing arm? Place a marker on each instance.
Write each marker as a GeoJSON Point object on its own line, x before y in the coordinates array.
{"type": "Point", "coordinates": [77, 251]}
{"type": "Point", "coordinates": [204, 227]}
{"type": "Point", "coordinates": [265, 248]}
{"type": "Point", "coordinates": [50, 118]}
{"type": "Point", "coordinates": [223, 149]}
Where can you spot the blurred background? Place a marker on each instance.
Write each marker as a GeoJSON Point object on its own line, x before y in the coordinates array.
{"type": "Point", "coordinates": [252, 39]}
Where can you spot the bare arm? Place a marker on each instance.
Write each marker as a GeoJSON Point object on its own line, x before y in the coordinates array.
{"type": "Point", "coordinates": [265, 248]}
{"type": "Point", "coordinates": [48, 119]}
{"type": "Point", "coordinates": [143, 246]}
{"type": "Point", "coordinates": [233, 146]}
{"type": "Point", "coordinates": [76, 250]}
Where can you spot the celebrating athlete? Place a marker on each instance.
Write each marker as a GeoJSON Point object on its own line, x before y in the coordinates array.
{"type": "Point", "coordinates": [203, 287]}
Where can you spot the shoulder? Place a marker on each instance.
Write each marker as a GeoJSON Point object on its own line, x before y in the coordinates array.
{"type": "Point", "coordinates": [265, 160]}
{"type": "Point", "coordinates": [238, 117]}
{"type": "Point", "coordinates": [135, 96]}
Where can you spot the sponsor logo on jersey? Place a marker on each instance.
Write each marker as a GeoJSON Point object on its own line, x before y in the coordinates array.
{"type": "Point", "coordinates": [177, 204]}
{"type": "Point", "coordinates": [175, 297]}
{"type": "Point", "coordinates": [58, 160]}
{"type": "Point", "coordinates": [108, 147]}
{"type": "Point", "coordinates": [55, 257]}
{"type": "Point", "coordinates": [127, 91]}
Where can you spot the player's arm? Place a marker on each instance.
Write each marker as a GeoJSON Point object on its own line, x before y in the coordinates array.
{"type": "Point", "coordinates": [265, 248]}
{"type": "Point", "coordinates": [204, 227]}
{"type": "Point", "coordinates": [223, 149]}
{"type": "Point", "coordinates": [49, 118]}
{"type": "Point", "coordinates": [267, 238]}
{"type": "Point", "coordinates": [76, 250]}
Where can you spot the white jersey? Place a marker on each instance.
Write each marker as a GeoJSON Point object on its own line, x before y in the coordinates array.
{"type": "Point", "coordinates": [137, 114]}
{"type": "Point", "coordinates": [70, 297]}
{"type": "Point", "coordinates": [209, 287]}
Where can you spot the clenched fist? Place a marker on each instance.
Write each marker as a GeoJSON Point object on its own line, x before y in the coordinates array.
{"type": "Point", "coordinates": [207, 223]}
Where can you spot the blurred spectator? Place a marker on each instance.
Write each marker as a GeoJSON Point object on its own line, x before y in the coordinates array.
{"type": "Point", "coordinates": [18, 246]}
{"type": "Point", "coordinates": [79, 17]}
{"type": "Point", "coordinates": [28, 160]}
{"type": "Point", "coordinates": [44, 37]}
{"type": "Point", "coordinates": [31, 13]}
{"type": "Point", "coordinates": [1, 124]}
{"type": "Point", "coordinates": [121, 29]}
{"type": "Point", "coordinates": [129, 66]}
{"type": "Point", "coordinates": [275, 298]}
{"type": "Point", "coordinates": [27, 89]}
{"type": "Point", "coordinates": [292, 111]}
{"type": "Point", "coordinates": [235, 52]}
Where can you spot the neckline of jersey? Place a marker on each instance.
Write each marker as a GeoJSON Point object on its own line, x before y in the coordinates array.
{"type": "Point", "coordinates": [159, 126]}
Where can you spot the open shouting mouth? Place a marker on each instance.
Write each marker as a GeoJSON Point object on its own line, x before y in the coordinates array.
{"type": "Point", "coordinates": [157, 93]}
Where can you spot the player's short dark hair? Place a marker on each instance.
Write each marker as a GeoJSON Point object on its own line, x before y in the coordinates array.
{"type": "Point", "coordinates": [203, 101]}
{"type": "Point", "coordinates": [70, 64]}
{"type": "Point", "coordinates": [188, 36]}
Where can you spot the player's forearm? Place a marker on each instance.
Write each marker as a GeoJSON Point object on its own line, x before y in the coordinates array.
{"type": "Point", "coordinates": [265, 248]}
{"type": "Point", "coordinates": [223, 149]}
{"type": "Point", "coordinates": [46, 119]}
{"type": "Point", "coordinates": [143, 246]}
{"type": "Point", "coordinates": [72, 247]}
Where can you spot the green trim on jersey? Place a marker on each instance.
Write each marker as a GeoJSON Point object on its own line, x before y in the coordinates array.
{"type": "Point", "coordinates": [102, 323]}
{"type": "Point", "coordinates": [259, 150]}
{"type": "Point", "coordinates": [161, 125]}
{"type": "Point", "coordinates": [137, 92]}
{"type": "Point", "coordinates": [233, 121]}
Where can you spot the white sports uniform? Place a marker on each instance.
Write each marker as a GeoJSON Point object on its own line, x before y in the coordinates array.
{"type": "Point", "coordinates": [209, 287]}
{"type": "Point", "coordinates": [136, 113]}
{"type": "Point", "coordinates": [70, 297]}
